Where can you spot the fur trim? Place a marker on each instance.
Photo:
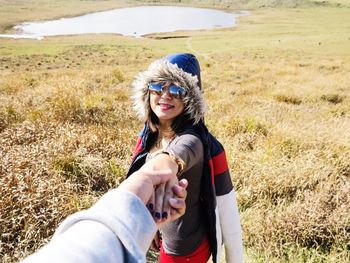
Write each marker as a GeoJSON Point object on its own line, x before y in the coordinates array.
{"type": "Point", "coordinates": [161, 71]}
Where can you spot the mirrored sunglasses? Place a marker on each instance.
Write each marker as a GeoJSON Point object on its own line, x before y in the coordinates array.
{"type": "Point", "coordinates": [174, 91]}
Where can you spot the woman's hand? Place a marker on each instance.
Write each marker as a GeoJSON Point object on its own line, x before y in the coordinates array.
{"type": "Point", "coordinates": [177, 209]}
{"type": "Point", "coordinates": [178, 204]}
{"type": "Point", "coordinates": [142, 182]}
{"type": "Point", "coordinates": [163, 194]}
{"type": "Point", "coordinates": [168, 202]}
{"type": "Point", "coordinates": [164, 191]}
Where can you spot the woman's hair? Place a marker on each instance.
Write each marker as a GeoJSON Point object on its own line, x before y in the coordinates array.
{"type": "Point", "coordinates": [178, 125]}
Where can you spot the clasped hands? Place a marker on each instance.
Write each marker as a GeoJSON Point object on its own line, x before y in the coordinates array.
{"type": "Point", "coordinates": [161, 191]}
{"type": "Point", "coordinates": [167, 203]}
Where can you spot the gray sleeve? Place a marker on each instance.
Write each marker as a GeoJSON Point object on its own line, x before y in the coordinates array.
{"type": "Point", "coordinates": [118, 228]}
{"type": "Point", "coordinates": [188, 148]}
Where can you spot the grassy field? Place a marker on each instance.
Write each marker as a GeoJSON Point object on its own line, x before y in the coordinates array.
{"type": "Point", "coordinates": [278, 94]}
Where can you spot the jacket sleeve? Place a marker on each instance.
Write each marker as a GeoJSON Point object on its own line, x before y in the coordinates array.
{"type": "Point", "coordinates": [118, 228]}
{"type": "Point", "coordinates": [230, 227]}
{"type": "Point", "coordinates": [228, 214]}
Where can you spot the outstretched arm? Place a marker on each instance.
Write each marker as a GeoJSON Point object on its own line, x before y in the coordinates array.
{"type": "Point", "coordinates": [118, 228]}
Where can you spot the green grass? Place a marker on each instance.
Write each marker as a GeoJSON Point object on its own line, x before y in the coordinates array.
{"type": "Point", "coordinates": [278, 94]}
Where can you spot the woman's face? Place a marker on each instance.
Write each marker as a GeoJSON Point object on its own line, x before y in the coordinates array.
{"type": "Point", "coordinates": [165, 106]}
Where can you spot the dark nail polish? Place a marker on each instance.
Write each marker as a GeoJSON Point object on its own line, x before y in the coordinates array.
{"type": "Point", "coordinates": [164, 215]}
{"type": "Point", "coordinates": [157, 215]}
{"type": "Point", "coordinates": [150, 207]}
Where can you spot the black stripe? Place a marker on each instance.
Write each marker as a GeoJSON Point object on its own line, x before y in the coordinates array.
{"type": "Point", "coordinates": [223, 183]}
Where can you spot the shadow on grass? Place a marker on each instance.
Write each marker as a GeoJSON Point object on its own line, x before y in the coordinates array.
{"type": "Point", "coordinates": [152, 256]}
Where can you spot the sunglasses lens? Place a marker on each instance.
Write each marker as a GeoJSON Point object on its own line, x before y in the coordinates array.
{"type": "Point", "coordinates": [176, 92]}
{"type": "Point", "coordinates": [156, 88]}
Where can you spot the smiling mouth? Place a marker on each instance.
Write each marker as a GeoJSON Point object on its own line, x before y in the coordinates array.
{"type": "Point", "coordinates": [164, 106]}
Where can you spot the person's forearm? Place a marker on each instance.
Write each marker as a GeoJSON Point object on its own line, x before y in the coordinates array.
{"type": "Point", "coordinates": [161, 162]}
{"type": "Point", "coordinates": [117, 228]}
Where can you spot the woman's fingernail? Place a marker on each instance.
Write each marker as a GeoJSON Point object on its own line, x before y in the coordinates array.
{"type": "Point", "coordinates": [172, 199]}
{"type": "Point", "coordinates": [150, 207]}
{"type": "Point", "coordinates": [164, 215]}
{"type": "Point", "coordinates": [157, 215]}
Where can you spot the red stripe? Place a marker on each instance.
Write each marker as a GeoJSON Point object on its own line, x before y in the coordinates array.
{"type": "Point", "coordinates": [220, 163]}
{"type": "Point", "coordinates": [211, 171]}
{"type": "Point", "coordinates": [138, 147]}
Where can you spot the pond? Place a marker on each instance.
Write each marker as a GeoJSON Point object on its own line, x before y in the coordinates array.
{"type": "Point", "coordinates": [133, 21]}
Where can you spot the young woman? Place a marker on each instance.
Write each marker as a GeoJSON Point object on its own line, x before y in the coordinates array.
{"type": "Point", "coordinates": [168, 97]}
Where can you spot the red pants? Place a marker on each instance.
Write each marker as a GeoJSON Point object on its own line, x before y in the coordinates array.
{"type": "Point", "coordinates": [200, 255]}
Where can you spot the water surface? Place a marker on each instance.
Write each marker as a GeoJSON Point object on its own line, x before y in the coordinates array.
{"type": "Point", "coordinates": [133, 21]}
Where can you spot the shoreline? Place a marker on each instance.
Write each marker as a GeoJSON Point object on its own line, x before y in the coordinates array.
{"type": "Point", "coordinates": [8, 28]}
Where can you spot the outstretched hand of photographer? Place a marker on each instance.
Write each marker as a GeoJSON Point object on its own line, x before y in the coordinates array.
{"type": "Point", "coordinates": [118, 228]}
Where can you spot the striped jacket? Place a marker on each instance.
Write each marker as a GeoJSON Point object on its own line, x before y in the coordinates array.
{"type": "Point", "coordinates": [217, 194]}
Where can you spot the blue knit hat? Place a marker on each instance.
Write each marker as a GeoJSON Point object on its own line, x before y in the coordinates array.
{"type": "Point", "coordinates": [188, 63]}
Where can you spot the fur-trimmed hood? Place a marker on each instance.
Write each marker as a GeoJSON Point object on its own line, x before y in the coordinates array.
{"type": "Point", "coordinates": [182, 70]}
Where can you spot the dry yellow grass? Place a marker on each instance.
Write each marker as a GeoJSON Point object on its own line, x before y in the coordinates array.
{"type": "Point", "coordinates": [278, 95]}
